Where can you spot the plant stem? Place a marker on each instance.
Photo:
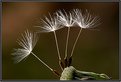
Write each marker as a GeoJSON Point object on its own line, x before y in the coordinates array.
{"type": "Point", "coordinates": [76, 42]}
{"type": "Point", "coordinates": [60, 61]}
{"type": "Point", "coordinates": [57, 46]}
{"type": "Point", "coordinates": [66, 51]}
{"type": "Point", "coordinates": [54, 71]}
{"type": "Point", "coordinates": [42, 61]}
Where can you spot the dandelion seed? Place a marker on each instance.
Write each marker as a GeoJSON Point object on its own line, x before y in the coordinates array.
{"type": "Point", "coordinates": [51, 25]}
{"type": "Point", "coordinates": [64, 18]}
{"type": "Point", "coordinates": [27, 42]}
{"type": "Point", "coordinates": [84, 21]}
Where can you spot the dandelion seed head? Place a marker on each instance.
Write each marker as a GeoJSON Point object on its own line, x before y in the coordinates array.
{"type": "Point", "coordinates": [27, 42]}
{"type": "Point", "coordinates": [85, 20]}
{"type": "Point", "coordinates": [50, 24]}
{"type": "Point", "coordinates": [64, 18]}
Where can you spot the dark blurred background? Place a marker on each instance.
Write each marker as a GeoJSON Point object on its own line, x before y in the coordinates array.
{"type": "Point", "coordinates": [97, 50]}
